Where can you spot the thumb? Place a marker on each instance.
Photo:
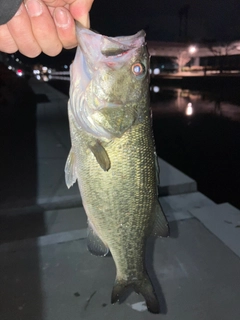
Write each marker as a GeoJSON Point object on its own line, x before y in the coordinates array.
{"type": "Point", "coordinates": [85, 21]}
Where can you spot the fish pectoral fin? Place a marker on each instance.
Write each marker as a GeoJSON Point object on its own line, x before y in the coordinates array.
{"type": "Point", "coordinates": [142, 286]}
{"type": "Point", "coordinates": [101, 155]}
{"type": "Point", "coordinates": [70, 170]}
{"type": "Point", "coordinates": [160, 228]}
{"type": "Point", "coordinates": [94, 243]}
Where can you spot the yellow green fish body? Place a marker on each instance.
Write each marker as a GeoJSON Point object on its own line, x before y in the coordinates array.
{"type": "Point", "coordinates": [113, 156]}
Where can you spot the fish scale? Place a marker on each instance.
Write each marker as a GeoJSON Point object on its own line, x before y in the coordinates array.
{"type": "Point", "coordinates": [113, 156]}
{"type": "Point", "coordinates": [126, 210]}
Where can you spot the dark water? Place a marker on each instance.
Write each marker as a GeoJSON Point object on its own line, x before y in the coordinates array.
{"type": "Point", "coordinates": [199, 133]}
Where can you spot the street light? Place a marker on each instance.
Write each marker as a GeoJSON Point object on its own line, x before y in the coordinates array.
{"type": "Point", "coordinates": [192, 49]}
{"type": "Point", "coordinates": [183, 60]}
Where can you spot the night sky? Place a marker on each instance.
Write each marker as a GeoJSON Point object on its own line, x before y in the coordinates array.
{"type": "Point", "coordinates": [216, 20]}
{"type": "Point", "coordinates": [208, 19]}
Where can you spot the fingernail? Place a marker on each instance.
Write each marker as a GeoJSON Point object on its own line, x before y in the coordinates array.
{"type": "Point", "coordinates": [34, 8]}
{"type": "Point", "coordinates": [61, 17]}
{"type": "Point", "coordinates": [19, 11]}
{"type": "Point", "coordinates": [85, 21]}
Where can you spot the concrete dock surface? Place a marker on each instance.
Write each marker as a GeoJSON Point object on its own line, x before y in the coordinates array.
{"type": "Point", "coordinates": [47, 273]}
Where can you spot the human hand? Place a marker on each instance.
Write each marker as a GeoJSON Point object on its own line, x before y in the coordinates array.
{"type": "Point", "coordinates": [44, 26]}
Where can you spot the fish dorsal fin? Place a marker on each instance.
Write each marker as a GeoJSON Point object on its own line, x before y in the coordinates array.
{"type": "Point", "coordinates": [101, 155]}
{"type": "Point", "coordinates": [160, 228]}
{"type": "Point", "coordinates": [94, 243]}
{"type": "Point", "coordinates": [70, 171]}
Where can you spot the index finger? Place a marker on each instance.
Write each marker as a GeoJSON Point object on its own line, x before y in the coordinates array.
{"type": "Point", "coordinates": [43, 27]}
{"type": "Point", "coordinates": [78, 8]}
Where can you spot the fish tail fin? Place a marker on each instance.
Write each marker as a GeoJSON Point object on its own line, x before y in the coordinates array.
{"type": "Point", "coordinates": [143, 286]}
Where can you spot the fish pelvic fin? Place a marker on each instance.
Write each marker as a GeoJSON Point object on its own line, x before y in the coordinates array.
{"type": "Point", "coordinates": [70, 172]}
{"type": "Point", "coordinates": [101, 155]}
{"type": "Point", "coordinates": [161, 227]}
{"type": "Point", "coordinates": [94, 243]}
{"type": "Point", "coordinates": [141, 286]}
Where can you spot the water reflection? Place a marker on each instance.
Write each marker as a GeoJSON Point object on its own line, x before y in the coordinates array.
{"type": "Point", "coordinates": [199, 133]}
{"type": "Point", "coordinates": [191, 103]}
{"type": "Point", "coordinates": [189, 109]}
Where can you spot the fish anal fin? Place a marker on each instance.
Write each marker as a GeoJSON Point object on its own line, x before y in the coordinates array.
{"type": "Point", "coordinates": [141, 286]}
{"type": "Point", "coordinates": [160, 228]}
{"type": "Point", "coordinates": [94, 243]}
{"type": "Point", "coordinates": [70, 171]}
{"type": "Point", "coordinates": [101, 155]}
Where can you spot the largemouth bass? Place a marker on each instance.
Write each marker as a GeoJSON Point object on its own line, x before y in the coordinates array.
{"type": "Point", "coordinates": [113, 154]}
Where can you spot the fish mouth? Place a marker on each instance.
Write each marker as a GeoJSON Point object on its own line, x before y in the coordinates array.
{"type": "Point", "coordinates": [96, 46]}
{"type": "Point", "coordinates": [114, 52]}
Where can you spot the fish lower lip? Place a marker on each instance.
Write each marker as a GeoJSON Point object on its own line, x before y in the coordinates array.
{"type": "Point", "coordinates": [108, 104]}
{"type": "Point", "coordinates": [112, 104]}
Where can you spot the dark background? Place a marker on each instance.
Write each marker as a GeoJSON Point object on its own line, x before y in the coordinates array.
{"type": "Point", "coordinates": [207, 21]}
{"type": "Point", "coordinates": [212, 19]}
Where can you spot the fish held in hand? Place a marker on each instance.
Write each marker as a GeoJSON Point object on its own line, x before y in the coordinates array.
{"type": "Point", "coordinates": [113, 154]}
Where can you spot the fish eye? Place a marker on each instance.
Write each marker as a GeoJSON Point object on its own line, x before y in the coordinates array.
{"type": "Point", "coordinates": [138, 69]}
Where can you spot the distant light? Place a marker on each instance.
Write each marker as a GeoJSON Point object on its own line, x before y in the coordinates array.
{"type": "Point", "coordinates": [49, 70]}
{"type": "Point", "coordinates": [44, 69]}
{"type": "Point", "coordinates": [17, 59]}
{"type": "Point", "coordinates": [19, 72]}
{"type": "Point", "coordinates": [36, 71]}
{"type": "Point", "coordinates": [150, 71]}
{"type": "Point", "coordinates": [38, 77]}
{"type": "Point", "coordinates": [45, 78]}
{"type": "Point", "coordinates": [156, 89]}
{"type": "Point", "coordinates": [65, 66]}
{"type": "Point", "coordinates": [189, 109]}
{"type": "Point", "coordinates": [192, 49]}
{"type": "Point", "coordinates": [156, 71]}
{"type": "Point", "coordinates": [9, 67]}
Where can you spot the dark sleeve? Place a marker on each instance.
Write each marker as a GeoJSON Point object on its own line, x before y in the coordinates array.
{"type": "Point", "coordinates": [8, 8]}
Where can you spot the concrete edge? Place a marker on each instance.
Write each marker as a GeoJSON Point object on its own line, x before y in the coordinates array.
{"type": "Point", "coordinates": [36, 84]}
{"type": "Point", "coordinates": [222, 220]}
{"type": "Point", "coordinates": [206, 216]}
{"type": "Point", "coordinates": [177, 189]}
{"type": "Point", "coordinates": [42, 241]}
{"type": "Point", "coordinates": [168, 186]}
{"type": "Point", "coordinates": [64, 202]}
{"type": "Point", "coordinates": [173, 181]}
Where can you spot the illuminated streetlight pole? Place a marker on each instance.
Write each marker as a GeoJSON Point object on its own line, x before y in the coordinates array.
{"type": "Point", "coordinates": [181, 60]}
{"type": "Point", "coordinates": [192, 49]}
